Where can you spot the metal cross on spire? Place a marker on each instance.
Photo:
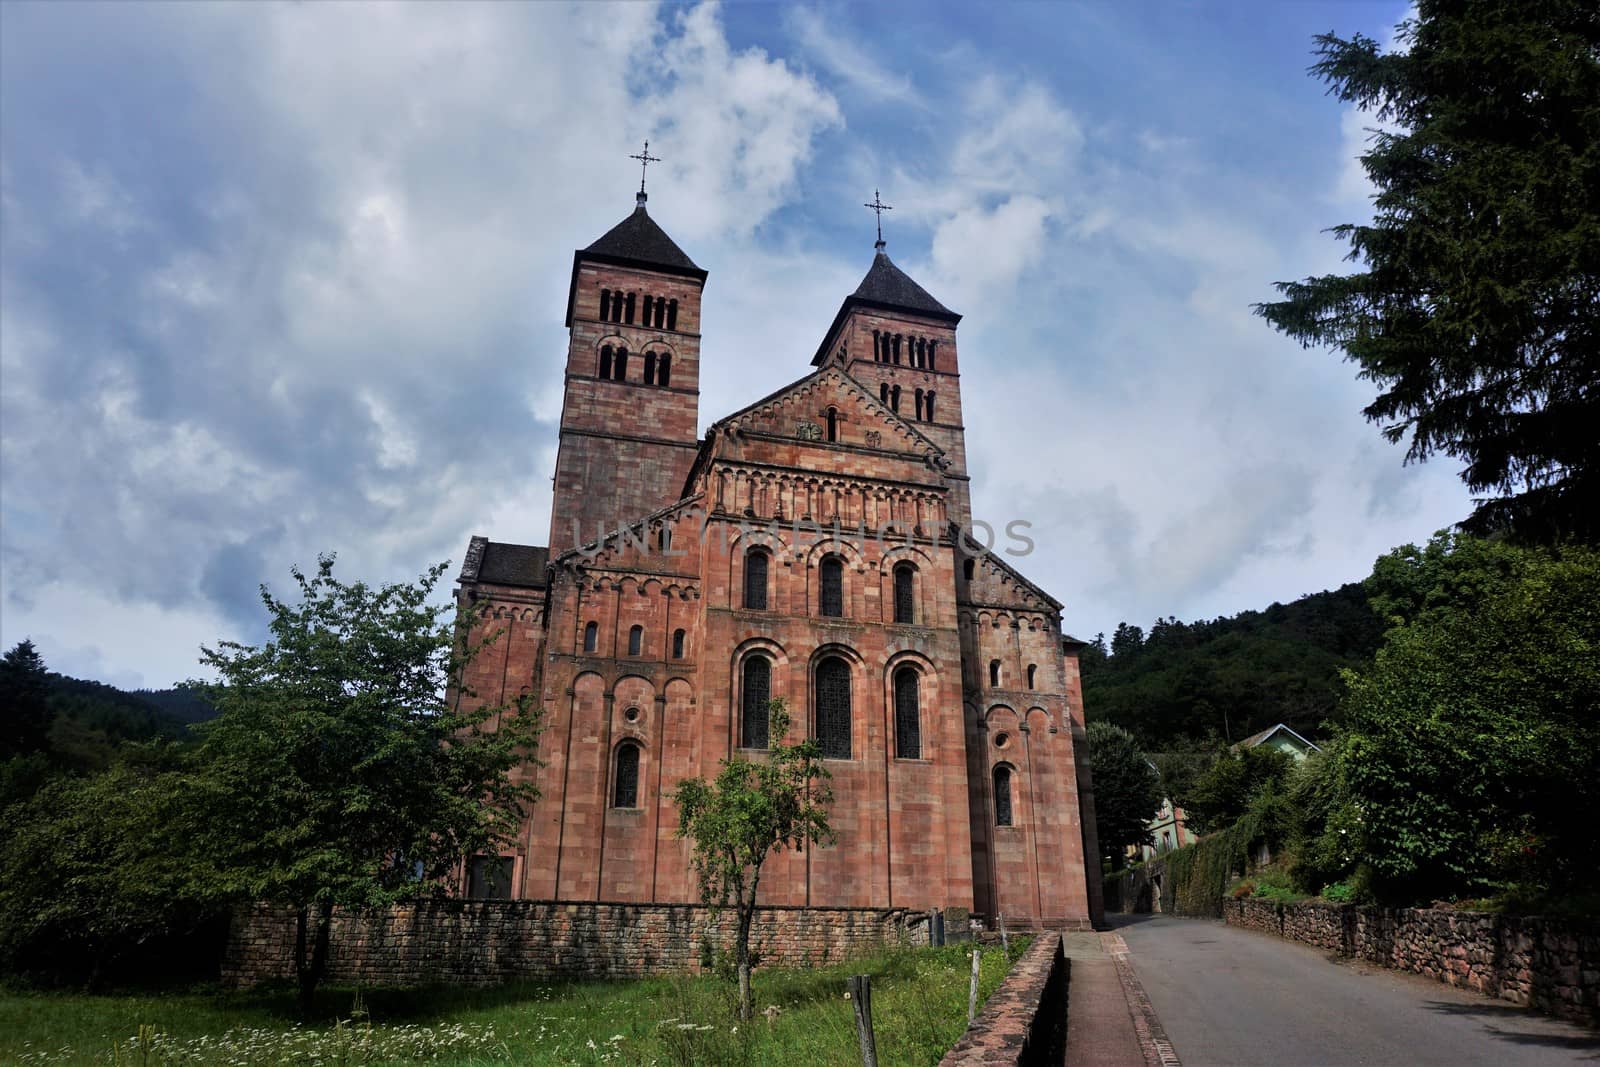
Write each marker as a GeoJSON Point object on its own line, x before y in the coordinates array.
{"type": "Point", "coordinates": [878, 207]}
{"type": "Point", "coordinates": [645, 159]}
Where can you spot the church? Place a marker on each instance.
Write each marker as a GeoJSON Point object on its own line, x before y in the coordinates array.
{"type": "Point", "coordinates": [810, 546]}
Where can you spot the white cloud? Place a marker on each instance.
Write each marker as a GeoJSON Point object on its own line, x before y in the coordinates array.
{"type": "Point", "coordinates": [869, 75]}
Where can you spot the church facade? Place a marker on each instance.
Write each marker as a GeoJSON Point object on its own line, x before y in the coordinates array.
{"type": "Point", "coordinates": [810, 547]}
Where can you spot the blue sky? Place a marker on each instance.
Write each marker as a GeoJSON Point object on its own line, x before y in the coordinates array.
{"type": "Point", "coordinates": [278, 280]}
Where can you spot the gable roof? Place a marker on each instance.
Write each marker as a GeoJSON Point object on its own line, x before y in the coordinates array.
{"type": "Point", "coordinates": [848, 383]}
{"type": "Point", "coordinates": [888, 288]}
{"type": "Point", "coordinates": [1256, 739]}
{"type": "Point", "coordinates": [636, 241]}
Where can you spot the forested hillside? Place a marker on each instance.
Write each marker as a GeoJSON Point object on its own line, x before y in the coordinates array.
{"type": "Point", "coordinates": [1233, 675]}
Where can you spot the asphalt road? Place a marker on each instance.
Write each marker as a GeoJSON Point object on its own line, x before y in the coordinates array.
{"type": "Point", "coordinates": [1235, 998]}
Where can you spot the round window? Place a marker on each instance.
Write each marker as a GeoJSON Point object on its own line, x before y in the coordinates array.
{"type": "Point", "coordinates": [1000, 740]}
{"type": "Point", "coordinates": [632, 715]}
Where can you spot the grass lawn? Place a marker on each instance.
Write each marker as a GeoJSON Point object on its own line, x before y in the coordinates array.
{"type": "Point", "coordinates": [919, 1009]}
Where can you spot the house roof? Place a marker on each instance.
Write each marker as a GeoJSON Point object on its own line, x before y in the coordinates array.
{"type": "Point", "coordinates": [888, 288]}
{"type": "Point", "coordinates": [505, 564]}
{"type": "Point", "coordinates": [1256, 739]}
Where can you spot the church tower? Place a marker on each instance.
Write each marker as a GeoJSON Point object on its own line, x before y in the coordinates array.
{"type": "Point", "coordinates": [632, 398]}
{"type": "Point", "coordinates": [894, 338]}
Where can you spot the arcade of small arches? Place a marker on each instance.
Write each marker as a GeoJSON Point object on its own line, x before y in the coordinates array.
{"type": "Point", "coordinates": [614, 365]}
{"type": "Point", "coordinates": [763, 494]}
{"type": "Point", "coordinates": [920, 352]}
{"type": "Point", "coordinates": [659, 312]}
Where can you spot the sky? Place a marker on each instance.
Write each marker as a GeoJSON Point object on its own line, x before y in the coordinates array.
{"type": "Point", "coordinates": [281, 280]}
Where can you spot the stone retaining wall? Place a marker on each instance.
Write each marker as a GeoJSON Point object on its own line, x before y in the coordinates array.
{"type": "Point", "coordinates": [1025, 1020]}
{"type": "Point", "coordinates": [486, 942]}
{"type": "Point", "coordinates": [1542, 963]}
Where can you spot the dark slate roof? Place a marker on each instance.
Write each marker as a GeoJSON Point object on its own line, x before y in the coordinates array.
{"type": "Point", "coordinates": [888, 286]}
{"type": "Point", "coordinates": [638, 239]}
{"type": "Point", "coordinates": [505, 564]}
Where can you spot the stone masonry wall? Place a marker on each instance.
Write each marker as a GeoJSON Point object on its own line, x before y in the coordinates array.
{"type": "Point", "coordinates": [487, 942]}
{"type": "Point", "coordinates": [1540, 963]}
{"type": "Point", "coordinates": [1025, 1020]}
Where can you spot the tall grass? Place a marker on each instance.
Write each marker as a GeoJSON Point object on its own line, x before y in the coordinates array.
{"type": "Point", "coordinates": [919, 999]}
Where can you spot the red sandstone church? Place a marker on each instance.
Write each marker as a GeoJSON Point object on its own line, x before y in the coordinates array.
{"type": "Point", "coordinates": [808, 547]}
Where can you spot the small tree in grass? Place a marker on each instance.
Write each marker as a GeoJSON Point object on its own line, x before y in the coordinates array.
{"type": "Point", "coordinates": [753, 807]}
{"type": "Point", "coordinates": [342, 770]}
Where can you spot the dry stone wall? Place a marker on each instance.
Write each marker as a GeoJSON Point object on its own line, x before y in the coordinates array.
{"type": "Point", "coordinates": [487, 942]}
{"type": "Point", "coordinates": [1024, 1021]}
{"type": "Point", "coordinates": [1542, 963]}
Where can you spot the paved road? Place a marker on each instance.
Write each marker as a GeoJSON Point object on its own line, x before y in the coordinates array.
{"type": "Point", "coordinates": [1235, 998]}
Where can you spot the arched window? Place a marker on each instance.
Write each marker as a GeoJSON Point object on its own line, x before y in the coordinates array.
{"type": "Point", "coordinates": [619, 367]}
{"type": "Point", "coordinates": [1032, 667]}
{"type": "Point", "coordinates": [625, 782]}
{"type": "Point", "coordinates": [897, 349]}
{"type": "Point", "coordinates": [922, 354]}
{"type": "Point", "coordinates": [757, 691]}
{"type": "Point", "coordinates": [927, 407]}
{"type": "Point", "coordinates": [904, 593]}
{"type": "Point", "coordinates": [635, 640]}
{"type": "Point", "coordinates": [833, 708]}
{"type": "Point", "coordinates": [664, 370]}
{"type": "Point", "coordinates": [831, 598]}
{"type": "Point", "coordinates": [677, 644]}
{"type": "Point", "coordinates": [833, 424]}
{"type": "Point", "coordinates": [969, 568]}
{"type": "Point", "coordinates": [883, 393]}
{"type": "Point", "coordinates": [672, 314]}
{"type": "Point", "coordinates": [755, 580]}
{"type": "Point", "coordinates": [894, 398]}
{"type": "Point", "coordinates": [932, 357]}
{"type": "Point", "coordinates": [907, 714]}
{"type": "Point", "coordinates": [649, 309]}
{"type": "Point", "coordinates": [649, 368]}
{"type": "Point", "coordinates": [591, 636]}
{"type": "Point", "coordinates": [994, 674]}
{"type": "Point", "coordinates": [627, 314]}
{"type": "Point", "coordinates": [605, 361]}
{"type": "Point", "coordinates": [605, 304]}
{"type": "Point", "coordinates": [1002, 795]}
{"type": "Point", "coordinates": [877, 346]}
{"type": "Point", "coordinates": [919, 405]}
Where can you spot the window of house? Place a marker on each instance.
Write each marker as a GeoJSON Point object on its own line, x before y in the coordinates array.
{"type": "Point", "coordinates": [1032, 669]}
{"type": "Point", "coordinates": [919, 405]}
{"type": "Point", "coordinates": [635, 640]}
{"type": "Point", "coordinates": [907, 714]}
{"type": "Point", "coordinates": [605, 361]}
{"type": "Point", "coordinates": [678, 638]}
{"type": "Point", "coordinates": [894, 398]}
{"type": "Point", "coordinates": [756, 692]}
{"type": "Point", "coordinates": [605, 305]}
{"type": "Point", "coordinates": [489, 877]}
{"type": "Point", "coordinates": [969, 568]}
{"type": "Point", "coordinates": [672, 314]}
{"type": "Point", "coordinates": [1002, 795]}
{"type": "Point", "coordinates": [619, 366]}
{"type": "Point", "coordinates": [833, 424]}
{"type": "Point", "coordinates": [627, 313]}
{"type": "Point", "coordinates": [883, 393]}
{"type": "Point", "coordinates": [927, 407]}
{"type": "Point", "coordinates": [625, 783]}
{"type": "Point", "coordinates": [591, 636]}
{"type": "Point", "coordinates": [649, 368]}
{"type": "Point", "coordinates": [832, 582]}
{"type": "Point", "coordinates": [755, 580]}
{"type": "Point", "coordinates": [994, 674]}
{"type": "Point", "coordinates": [833, 708]}
{"type": "Point", "coordinates": [664, 370]}
{"type": "Point", "coordinates": [904, 593]}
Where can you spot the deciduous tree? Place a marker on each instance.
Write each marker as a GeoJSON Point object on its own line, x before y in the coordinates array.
{"type": "Point", "coordinates": [349, 765]}
{"type": "Point", "coordinates": [753, 808]}
{"type": "Point", "coordinates": [1127, 791]}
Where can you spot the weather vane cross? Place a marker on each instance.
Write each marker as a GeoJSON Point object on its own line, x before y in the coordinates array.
{"type": "Point", "coordinates": [878, 208]}
{"type": "Point", "coordinates": [645, 159]}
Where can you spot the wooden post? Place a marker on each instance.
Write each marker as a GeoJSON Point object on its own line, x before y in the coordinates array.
{"type": "Point", "coordinates": [1005, 942]}
{"type": "Point", "coordinates": [861, 1000]}
{"type": "Point", "coordinates": [972, 994]}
